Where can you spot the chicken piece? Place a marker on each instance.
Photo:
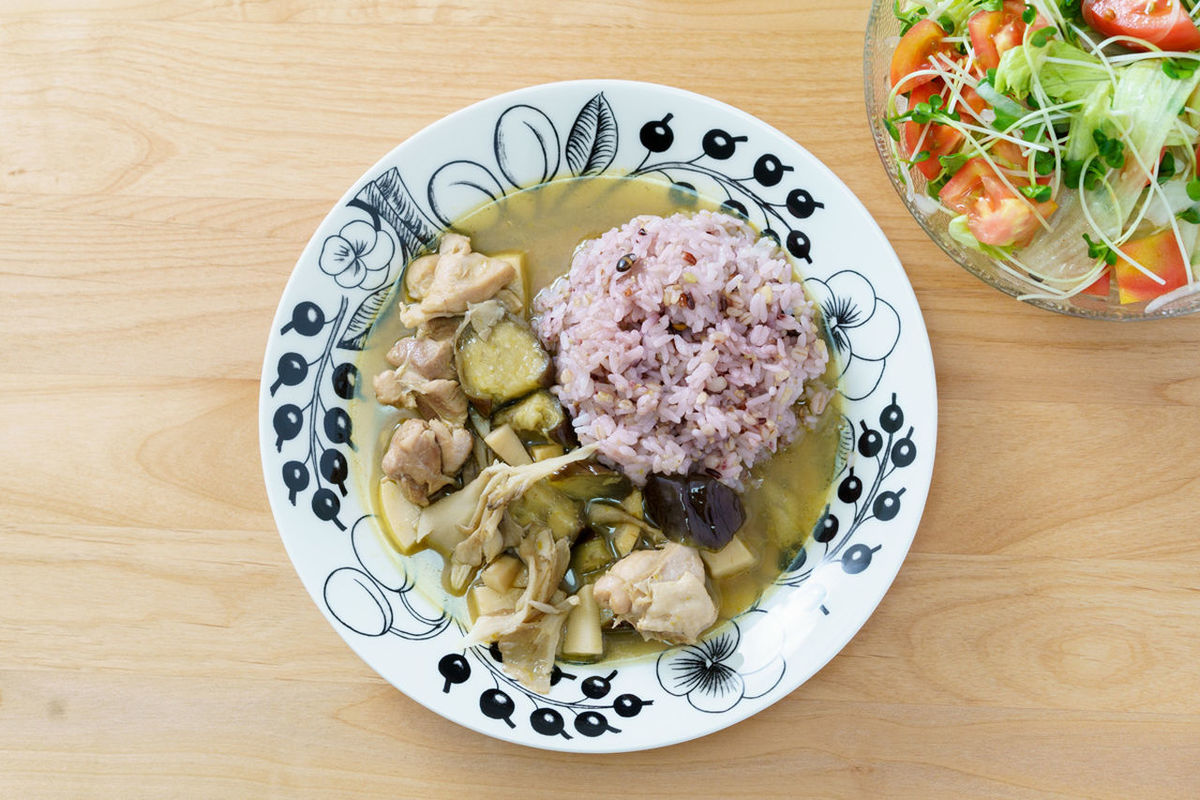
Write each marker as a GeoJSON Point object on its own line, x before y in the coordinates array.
{"type": "Point", "coordinates": [464, 279]}
{"type": "Point", "coordinates": [455, 443]}
{"type": "Point", "coordinates": [445, 399]}
{"type": "Point", "coordinates": [418, 275]}
{"type": "Point", "coordinates": [660, 592]}
{"type": "Point", "coordinates": [454, 244]}
{"type": "Point", "coordinates": [429, 358]}
{"type": "Point", "coordinates": [423, 456]}
{"type": "Point", "coordinates": [414, 460]}
{"type": "Point", "coordinates": [395, 388]}
{"type": "Point", "coordinates": [460, 278]}
{"type": "Point", "coordinates": [405, 387]}
{"type": "Point", "coordinates": [439, 329]}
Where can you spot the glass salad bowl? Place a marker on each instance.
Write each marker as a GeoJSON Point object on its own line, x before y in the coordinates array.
{"type": "Point", "coordinates": [882, 35]}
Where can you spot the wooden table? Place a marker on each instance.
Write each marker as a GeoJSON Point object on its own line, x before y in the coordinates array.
{"type": "Point", "coordinates": [162, 164]}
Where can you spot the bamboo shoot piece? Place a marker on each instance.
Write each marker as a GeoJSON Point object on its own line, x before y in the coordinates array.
{"type": "Point", "coordinates": [485, 600]}
{"type": "Point", "coordinates": [633, 504]}
{"type": "Point", "coordinates": [582, 638]}
{"type": "Point", "coordinates": [731, 559]}
{"type": "Point", "coordinates": [541, 452]}
{"type": "Point", "coordinates": [506, 444]}
{"type": "Point", "coordinates": [501, 574]}
{"type": "Point", "coordinates": [519, 283]}
{"type": "Point", "coordinates": [625, 538]}
{"type": "Point", "coordinates": [400, 515]}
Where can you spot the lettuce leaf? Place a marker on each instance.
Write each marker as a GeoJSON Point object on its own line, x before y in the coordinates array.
{"type": "Point", "coordinates": [1090, 117]}
{"type": "Point", "coordinates": [1064, 82]}
{"type": "Point", "coordinates": [960, 233]}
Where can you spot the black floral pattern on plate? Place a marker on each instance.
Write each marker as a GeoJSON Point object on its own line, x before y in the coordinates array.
{"type": "Point", "coordinates": [358, 256]}
{"type": "Point", "coordinates": [323, 419]}
{"type": "Point", "coordinates": [586, 715]}
{"type": "Point", "coordinates": [744, 196]}
{"type": "Point", "coordinates": [375, 597]}
{"type": "Point", "coordinates": [863, 328]}
{"type": "Point", "coordinates": [712, 675]}
{"type": "Point", "coordinates": [855, 502]}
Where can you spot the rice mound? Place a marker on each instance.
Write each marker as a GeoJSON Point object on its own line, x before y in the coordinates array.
{"type": "Point", "coordinates": [693, 358]}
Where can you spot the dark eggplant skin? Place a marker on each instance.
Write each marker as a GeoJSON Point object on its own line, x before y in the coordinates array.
{"type": "Point", "coordinates": [588, 480]}
{"type": "Point", "coordinates": [694, 508]}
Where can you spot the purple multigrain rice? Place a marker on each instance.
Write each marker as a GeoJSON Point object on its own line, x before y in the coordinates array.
{"type": "Point", "coordinates": [694, 360]}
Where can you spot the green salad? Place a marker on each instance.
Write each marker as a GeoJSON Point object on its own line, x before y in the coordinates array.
{"type": "Point", "coordinates": [1061, 140]}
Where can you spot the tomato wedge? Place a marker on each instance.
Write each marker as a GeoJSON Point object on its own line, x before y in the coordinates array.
{"type": "Point", "coordinates": [973, 102]}
{"type": "Point", "coordinates": [966, 186]}
{"type": "Point", "coordinates": [938, 140]}
{"type": "Point", "coordinates": [993, 32]}
{"type": "Point", "coordinates": [1008, 154]}
{"type": "Point", "coordinates": [1158, 253]}
{"type": "Point", "coordinates": [1163, 23]}
{"type": "Point", "coordinates": [995, 214]}
{"type": "Point", "coordinates": [923, 41]}
{"type": "Point", "coordinates": [1098, 287]}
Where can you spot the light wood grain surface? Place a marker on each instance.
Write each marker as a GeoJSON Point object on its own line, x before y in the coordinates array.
{"type": "Point", "coordinates": [163, 163]}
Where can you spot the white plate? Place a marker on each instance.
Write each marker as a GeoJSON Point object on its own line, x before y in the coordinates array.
{"type": "Point", "coordinates": [515, 141]}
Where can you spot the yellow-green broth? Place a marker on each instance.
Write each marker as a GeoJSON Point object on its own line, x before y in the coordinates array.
{"type": "Point", "coordinates": [787, 492]}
